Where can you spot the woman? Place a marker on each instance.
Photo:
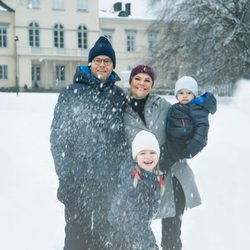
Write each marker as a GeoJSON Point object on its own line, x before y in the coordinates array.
{"type": "Point", "coordinates": [146, 111]}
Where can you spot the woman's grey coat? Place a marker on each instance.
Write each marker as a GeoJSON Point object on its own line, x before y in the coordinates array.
{"type": "Point", "coordinates": [155, 112]}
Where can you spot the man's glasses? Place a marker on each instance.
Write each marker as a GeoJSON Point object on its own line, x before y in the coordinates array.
{"type": "Point", "coordinates": [106, 62]}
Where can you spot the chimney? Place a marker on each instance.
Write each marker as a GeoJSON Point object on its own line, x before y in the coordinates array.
{"type": "Point", "coordinates": [117, 6]}
{"type": "Point", "coordinates": [128, 8]}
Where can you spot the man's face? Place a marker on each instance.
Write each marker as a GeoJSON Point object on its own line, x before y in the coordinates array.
{"type": "Point", "coordinates": [101, 67]}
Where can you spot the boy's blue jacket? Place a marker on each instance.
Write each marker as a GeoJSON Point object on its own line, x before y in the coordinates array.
{"type": "Point", "coordinates": [188, 125]}
{"type": "Point", "coordinates": [207, 101]}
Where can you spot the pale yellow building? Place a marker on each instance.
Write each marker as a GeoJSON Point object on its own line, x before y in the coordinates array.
{"type": "Point", "coordinates": [7, 46]}
{"type": "Point", "coordinates": [42, 41]}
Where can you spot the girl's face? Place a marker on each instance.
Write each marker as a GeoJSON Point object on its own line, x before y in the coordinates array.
{"type": "Point", "coordinates": [147, 160]}
{"type": "Point", "coordinates": [141, 85]}
{"type": "Point", "coordinates": [184, 96]}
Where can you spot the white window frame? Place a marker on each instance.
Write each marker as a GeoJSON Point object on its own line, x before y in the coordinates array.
{"type": "Point", "coordinates": [33, 4]}
{"type": "Point", "coordinates": [58, 37]}
{"type": "Point", "coordinates": [58, 4]}
{"type": "Point", "coordinates": [60, 73]}
{"type": "Point", "coordinates": [34, 35]}
{"type": "Point", "coordinates": [82, 5]}
{"type": "Point", "coordinates": [3, 36]}
{"type": "Point", "coordinates": [3, 72]}
{"type": "Point", "coordinates": [108, 33]}
{"type": "Point", "coordinates": [82, 37]}
{"type": "Point", "coordinates": [130, 40]}
{"type": "Point", "coordinates": [152, 40]}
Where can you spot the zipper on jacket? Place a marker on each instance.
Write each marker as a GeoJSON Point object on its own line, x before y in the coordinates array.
{"type": "Point", "coordinates": [183, 124]}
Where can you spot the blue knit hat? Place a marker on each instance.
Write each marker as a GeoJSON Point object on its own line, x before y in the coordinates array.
{"type": "Point", "coordinates": [102, 47]}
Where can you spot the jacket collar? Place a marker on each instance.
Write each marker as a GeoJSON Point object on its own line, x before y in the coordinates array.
{"type": "Point", "coordinates": [84, 76]}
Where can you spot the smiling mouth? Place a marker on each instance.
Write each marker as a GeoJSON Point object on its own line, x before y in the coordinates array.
{"type": "Point", "coordinates": [148, 162]}
{"type": "Point", "coordinates": [140, 88]}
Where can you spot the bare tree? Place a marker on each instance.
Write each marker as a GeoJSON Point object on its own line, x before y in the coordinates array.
{"type": "Point", "coordinates": [208, 39]}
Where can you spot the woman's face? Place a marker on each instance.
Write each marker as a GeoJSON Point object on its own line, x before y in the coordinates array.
{"type": "Point", "coordinates": [141, 85]}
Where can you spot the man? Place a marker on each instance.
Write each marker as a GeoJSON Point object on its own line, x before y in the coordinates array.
{"type": "Point", "coordinates": [87, 144]}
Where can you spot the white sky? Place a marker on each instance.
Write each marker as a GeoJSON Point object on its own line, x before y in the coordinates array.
{"type": "Point", "coordinates": [33, 219]}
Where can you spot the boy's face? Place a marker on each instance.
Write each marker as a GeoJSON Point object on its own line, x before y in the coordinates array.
{"type": "Point", "coordinates": [147, 160]}
{"type": "Point", "coordinates": [184, 96]}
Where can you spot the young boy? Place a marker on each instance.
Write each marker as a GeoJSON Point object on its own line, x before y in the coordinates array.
{"type": "Point", "coordinates": [137, 198]}
{"type": "Point", "coordinates": [187, 122]}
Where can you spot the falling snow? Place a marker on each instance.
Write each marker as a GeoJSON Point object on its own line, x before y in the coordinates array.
{"type": "Point", "coordinates": [32, 217]}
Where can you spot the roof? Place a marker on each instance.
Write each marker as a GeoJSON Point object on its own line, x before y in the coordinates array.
{"type": "Point", "coordinates": [5, 7]}
{"type": "Point", "coordinates": [115, 15]}
{"type": "Point", "coordinates": [129, 10]}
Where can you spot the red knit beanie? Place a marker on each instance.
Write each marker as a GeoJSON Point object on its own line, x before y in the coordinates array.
{"type": "Point", "coordinates": [143, 68]}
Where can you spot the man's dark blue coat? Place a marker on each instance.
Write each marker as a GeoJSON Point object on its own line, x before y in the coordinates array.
{"type": "Point", "coordinates": [87, 139]}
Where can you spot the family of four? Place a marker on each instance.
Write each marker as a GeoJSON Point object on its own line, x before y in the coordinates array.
{"type": "Point", "coordinates": [121, 160]}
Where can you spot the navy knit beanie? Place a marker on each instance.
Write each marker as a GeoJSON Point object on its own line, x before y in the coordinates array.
{"type": "Point", "coordinates": [143, 68]}
{"type": "Point", "coordinates": [102, 47]}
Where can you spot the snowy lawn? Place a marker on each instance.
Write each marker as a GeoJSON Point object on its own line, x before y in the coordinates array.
{"type": "Point", "coordinates": [31, 218]}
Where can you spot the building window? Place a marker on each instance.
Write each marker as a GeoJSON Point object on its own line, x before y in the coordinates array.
{"type": "Point", "coordinates": [82, 36]}
{"type": "Point", "coordinates": [60, 73]}
{"type": "Point", "coordinates": [34, 35]}
{"type": "Point", "coordinates": [108, 34]}
{"type": "Point", "coordinates": [152, 41]}
{"type": "Point", "coordinates": [34, 4]}
{"type": "Point", "coordinates": [58, 36]}
{"type": "Point", "coordinates": [3, 37]}
{"type": "Point", "coordinates": [82, 5]}
{"type": "Point", "coordinates": [58, 4]}
{"type": "Point", "coordinates": [3, 72]}
{"type": "Point", "coordinates": [130, 35]}
{"type": "Point", "coordinates": [36, 75]}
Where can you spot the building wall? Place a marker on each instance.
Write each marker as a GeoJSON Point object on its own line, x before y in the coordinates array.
{"type": "Point", "coordinates": [126, 60]}
{"type": "Point", "coordinates": [8, 56]}
{"type": "Point", "coordinates": [46, 57]}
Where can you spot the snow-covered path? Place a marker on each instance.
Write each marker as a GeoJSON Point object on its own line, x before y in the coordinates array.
{"type": "Point", "coordinates": [31, 218]}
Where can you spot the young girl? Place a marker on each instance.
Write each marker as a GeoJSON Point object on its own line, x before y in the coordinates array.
{"type": "Point", "coordinates": [137, 198]}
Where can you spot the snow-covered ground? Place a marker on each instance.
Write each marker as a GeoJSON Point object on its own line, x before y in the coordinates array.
{"type": "Point", "coordinates": [31, 218]}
